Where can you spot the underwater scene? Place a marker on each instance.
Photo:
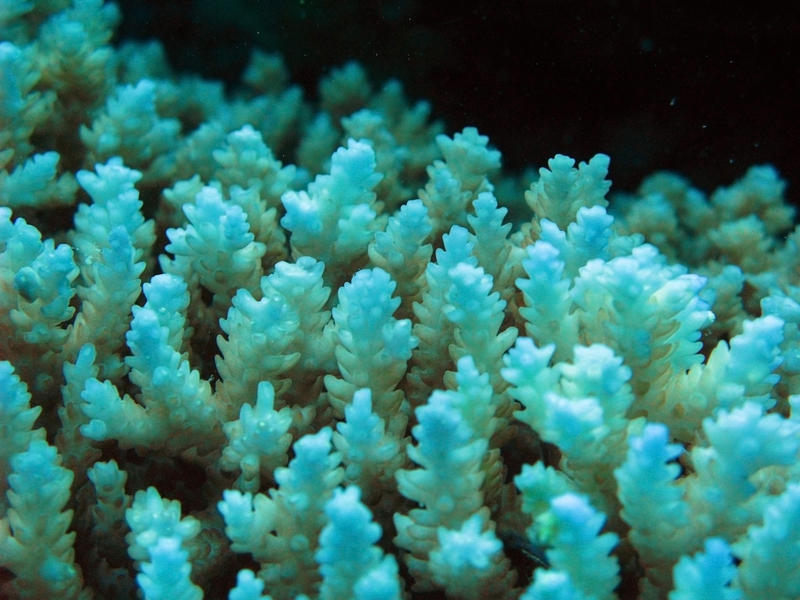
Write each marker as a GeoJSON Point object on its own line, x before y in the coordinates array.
{"type": "Point", "coordinates": [382, 300]}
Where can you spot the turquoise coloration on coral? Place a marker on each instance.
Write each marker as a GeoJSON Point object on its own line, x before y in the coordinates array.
{"type": "Point", "coordinates": [384, 369]}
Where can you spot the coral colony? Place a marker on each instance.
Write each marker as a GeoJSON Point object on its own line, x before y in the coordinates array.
{"type": "Point", "coordinates": [379, 367]}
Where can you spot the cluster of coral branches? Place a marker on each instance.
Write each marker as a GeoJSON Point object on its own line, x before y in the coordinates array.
{"type": "Point", "coordinates": [255, 347]}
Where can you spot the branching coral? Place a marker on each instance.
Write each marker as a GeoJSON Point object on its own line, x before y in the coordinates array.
{"type": "Point", "coordinates": [234, 377]}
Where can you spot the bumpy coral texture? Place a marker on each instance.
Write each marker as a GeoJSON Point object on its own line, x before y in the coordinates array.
{"type": "Point", "coordinates": [253, 347]}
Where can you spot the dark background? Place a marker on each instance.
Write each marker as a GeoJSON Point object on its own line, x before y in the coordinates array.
{"type": "Point", "coordinates": [705, 89]}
